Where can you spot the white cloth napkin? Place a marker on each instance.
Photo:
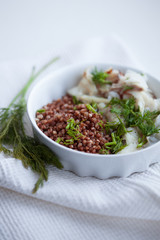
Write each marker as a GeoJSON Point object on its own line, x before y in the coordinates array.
{"type": "Point", "coordinates": [68, 206]}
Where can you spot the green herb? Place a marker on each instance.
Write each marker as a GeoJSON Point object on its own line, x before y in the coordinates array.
{"type": "Point", "coordinates": [141, 141]}
{"type": "Point", "coordinates": [41, 110]}
{"type": "Point", "coordinates": [119, 145]}
{"type": "Point", "coordinates": [116, 110]}
{"type": "Point", "coordinates": [121, 129]}
{"type": "Point", "coordinates": [71, 124]}
{"type": "Point", "coordinates": [90, 108]}
{"type": "Point", "coordinates": [100, 77]}
{"type": "Point", "coordinates": [12, 136]}
{"type": "Point", "coordinates": [103, 151]}
{"type": "Point", "coordinates": [129, 116]}
{"type": "Point", "coordinates": [69, 141]}
{"type": "Point", "coordinates": [132, 116]}
{"type": "Point", "coordinates": [117, 130]}
{"type": "Point", "coordinates": [101, 123]}
{"type": "Point", "coordinates": [113, 141]}
{"type": "Point", "coordinates": [118, 127]}
{"type": "Point", "coordinates": [126, 88]}
{"type": "Point", "coordinates": [73, 131]}
{"type": "Point", "coordinates": [75, 100]}
{"type": "Point", "coordinates": [94, 105]}
{"type": "Point", "coordinates": [111, 126]}
{"type": "Point", "coordinates": [59, 140]}
{"type": "Point", "coordinates": [116, 145]}
{"type": "Point", "coordinates": [65, 142]}
{"type": "Point", "coordinates": [146, 123]}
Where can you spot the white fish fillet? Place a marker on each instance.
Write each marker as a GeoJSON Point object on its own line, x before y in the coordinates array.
{"type": "Point", "coordinates": [143, 98]}
{"type": "Point", "coordinates": [89, 99]}
{"type": "Point", "coordinates": [86, 86]}
{"type": "Point", "coordinates": [131, 141]}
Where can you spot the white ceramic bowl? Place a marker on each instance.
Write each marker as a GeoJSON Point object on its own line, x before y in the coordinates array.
{"type": "Point", "coordinates": [54, 86]}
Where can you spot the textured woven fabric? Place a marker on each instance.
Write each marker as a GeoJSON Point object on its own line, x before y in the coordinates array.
{"type": "Point", "coordinates": [68, 206]}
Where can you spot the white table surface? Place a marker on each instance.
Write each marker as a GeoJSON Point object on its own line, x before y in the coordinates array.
{"type": "Point", "coordinates": [31, 28]}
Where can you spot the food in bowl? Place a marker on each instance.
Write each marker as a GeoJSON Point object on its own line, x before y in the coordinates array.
{"type": "Point", "coordinates": [108, 112]}
{"type": "Point", "coordinates": [73, 125]}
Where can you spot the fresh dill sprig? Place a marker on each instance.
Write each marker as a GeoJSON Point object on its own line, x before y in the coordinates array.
{"type": "Point", "coordinates": [117, 131]}
{"type": "Point", "coordinates": [127, 88]}
{"type": "Point", "coordinates": [12, 135]}
{"type": "Point", "coordinates": [141, 141]}
{"type": "Point", "coordinates": [90, 108]}
{"type": "Point", "coordinates": [41, 110]}
{"type": "Point", "coordinates": [59, 140]}
{"type": "Point", "coordinates": [126, 109]}
{"type": "Point", "coordinates": [101, 124]}
{"type": "Point", "coordinates": [73, 131]}
{"type": "Point", "coordinates": [94, 105]}
{"type": "Point", "coordinates": [75, 100]}
{"type": "Point", "coordinates": [100, 77]}
{"type": "Point", "coordinates": [116, 145]}
{"type": "Point", "coordinates": [104, 151]}
{"type": "Point", "coordinates": [71, 124]}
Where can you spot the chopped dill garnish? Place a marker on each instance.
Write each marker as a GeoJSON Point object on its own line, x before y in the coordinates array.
{"type": "Point", "coordinates": [101, 123]}
{"type": "Point", "coordinates": [14, 141]}
{"type": "Point", "coordinates": [68, 141]}
{"type": "Point", "coordinates": [128, 115]}
{"type": "Point", "coordinates": [116, 145]}
{"type": "Point", "coordinates": [90, 108]}
{"type": "Point", "coordinates": [141, 141]}
{"type": "Point", "coordinates": [117, 131]}
{"type": "Point", "coordinates": [94, 105]}
{"type": "Point", "coordinates": [127, 87]}
{"type": "Point", "coordinates": [132, 116]}
{"type": "Point", "coordinates": [119, 145]}
{"type": "Point", "coordinates": [73, 131]}
{"type": "Point", "coordinates": [59, 140]}
{"type": "Point", "coordinates": [100, 77]}
{"type": "Point", "coordinates": [103, 151]}
{"type": "Point", "coordinates": [111, 126]}
{"type": "Point", "coordinates": [113, 140]}
{"type": "Point", "coordinates": [71, 124]}
{"type": "Point", "coordinates": [146, 123]}
{"type": "Point", "coordinates": [75, 100]}
{"type": "Point", "coordinates": [118, 127]}
{"type": "Point", "coordinates": [41, 110]}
